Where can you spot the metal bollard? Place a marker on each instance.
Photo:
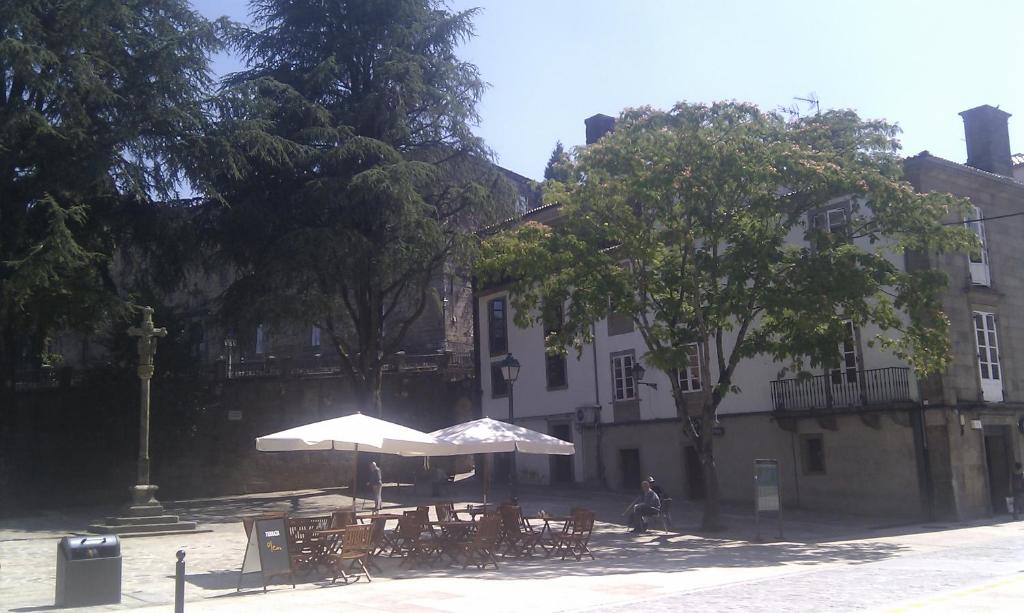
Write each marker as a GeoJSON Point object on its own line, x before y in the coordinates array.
{"type": "Point", "coordinates": [179, 583]}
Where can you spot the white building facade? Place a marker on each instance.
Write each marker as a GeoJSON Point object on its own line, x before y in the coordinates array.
{"type": "Point", "coordinates": [865, 438]}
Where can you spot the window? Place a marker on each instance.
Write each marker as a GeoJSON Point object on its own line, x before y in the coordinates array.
{"type": "Point", "coordinates": [979, 259]}
{"type": "Point", "coordinates": [261, 340]}
{"type": "Point", "coordinates": [497, 327]}
{"type": "Point", "coordinates": [619, 323]}
{"type": "Point", "coordinates": [623, 384]}
{"type": "Point", "coordinates": [988, 357]}
{"type": "Point", "coordinates": [499, 387]}
{"type": "Point", "coordinates": [314, 339]}
{"type": "Point", "coordinates": [690, 376]}
{"type": "Point", "coordinates": [812, 450]}
{"type": "Point", "coordinates": [830, 221]}
{"type": "Point", "coordinates": [847, 371]}
{"type": "Point", "coordinates": [554, 363]}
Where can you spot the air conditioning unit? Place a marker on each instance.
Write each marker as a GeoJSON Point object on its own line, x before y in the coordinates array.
{"type": "Point", "coordinates": [588, 415]}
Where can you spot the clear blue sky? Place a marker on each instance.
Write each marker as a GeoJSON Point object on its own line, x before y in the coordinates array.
{"type": "Point", "coordinates": [552, 63]}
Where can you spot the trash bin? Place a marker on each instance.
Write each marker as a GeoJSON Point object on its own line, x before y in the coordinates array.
{"type": "Point", "coordinates": [88, 571]}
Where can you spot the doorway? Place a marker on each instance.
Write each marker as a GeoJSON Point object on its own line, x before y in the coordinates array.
{"type": "Point", "coordinates": [561, 465]}
{"type": "Point", "coordinates": [694, 474]}
{"type": "Point", "coordinates": [629, 460]}
{"type": "Point", "coordinates": [999, 464]}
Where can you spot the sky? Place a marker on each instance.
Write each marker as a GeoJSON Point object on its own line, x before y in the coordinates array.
{"type": "Point", "coordinates": [552, 63]}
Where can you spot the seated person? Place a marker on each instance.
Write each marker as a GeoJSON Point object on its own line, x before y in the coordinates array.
{"type": "Point", "coordinates": [656, 488]}
{"type": "Point", "coordinates": [647, 504]}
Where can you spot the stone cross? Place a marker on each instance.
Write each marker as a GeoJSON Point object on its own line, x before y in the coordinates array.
{"type": "Point", "coordinates": [143, 493]}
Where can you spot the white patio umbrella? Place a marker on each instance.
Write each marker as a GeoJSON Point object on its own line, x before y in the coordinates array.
{"type": "Point", "coordinates": [492, 436]}
{"type": "Point", "coordinates": [356, 432]}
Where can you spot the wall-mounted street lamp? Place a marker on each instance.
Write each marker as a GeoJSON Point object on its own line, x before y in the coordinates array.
{"type": "Point", "coordinates": [638, 375]}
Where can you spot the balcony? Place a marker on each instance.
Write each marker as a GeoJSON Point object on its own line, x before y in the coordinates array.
{"type": "Point", "coordinates": [843, 389]}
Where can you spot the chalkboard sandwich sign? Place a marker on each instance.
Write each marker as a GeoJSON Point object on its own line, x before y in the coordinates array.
{"type": "Point", "coordinates": [267, 551]}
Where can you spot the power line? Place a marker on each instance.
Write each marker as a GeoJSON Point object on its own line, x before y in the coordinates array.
{"type": "Point", "coordinates": [967, 221]}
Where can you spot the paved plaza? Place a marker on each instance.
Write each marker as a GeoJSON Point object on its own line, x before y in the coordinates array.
{"type": "Point", "coordinates": [823, 563]}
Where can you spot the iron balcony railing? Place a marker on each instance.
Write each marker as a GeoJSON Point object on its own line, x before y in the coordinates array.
{"type": "Point", "coordinates": [842, 388]}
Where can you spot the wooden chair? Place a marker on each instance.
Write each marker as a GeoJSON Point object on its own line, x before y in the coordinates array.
{"type": "Point", "coordinates": [355, 549]}
{"type": "Point", "coordinates": [303, 548]}
{"type": "Point", "coordinates": [664, 515]}
{"type": "Point", "coordinates": [408, 540]}
{"type": "Point", "coordinates": [575, 539]}
{"type": "Point", "coordinates": [445, 511]}
{"type": "Point", "coordinates": [380, 540]}
{"type": "Point", "coordinates": [519, 539]}
{"type": "Point", "coordinates": [342, 518]}
{"type": "Point", "coordinates": [479, 550]}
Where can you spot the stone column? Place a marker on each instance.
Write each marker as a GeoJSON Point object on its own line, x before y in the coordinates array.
{"type": "Point", "coordinates": [144, 493]}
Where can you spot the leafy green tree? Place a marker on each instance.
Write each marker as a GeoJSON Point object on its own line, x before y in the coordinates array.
{"type": "Point", "coordinates": [699, 224]}
{"type": "Point", "coordinates": [356, 176]}
{"type": "Point", "coordinates": [558, 164]}
{"type": "Point", "coordinates": [101, 110]}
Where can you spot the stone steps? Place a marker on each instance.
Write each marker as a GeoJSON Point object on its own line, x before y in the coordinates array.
{"type": "Point", "coordinates": [144, 529]}
{"type": "Point", "coordinates": [142, 521]}
{"type": "Point", "coordinates": [127, 535]}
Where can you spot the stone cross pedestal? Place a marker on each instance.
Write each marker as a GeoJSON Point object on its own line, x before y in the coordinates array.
{"type": "Point", "coordinates": [145, 516]}
{"type": "Point", "coordinates": [144, 493]}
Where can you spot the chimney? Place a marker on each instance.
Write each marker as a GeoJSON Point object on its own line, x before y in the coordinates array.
{"type": "Point", "coordinates": [988, 139]}
{"type": "Point", "coordinates": [598, 126]}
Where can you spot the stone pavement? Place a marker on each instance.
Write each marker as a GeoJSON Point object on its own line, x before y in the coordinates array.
{"type": "Point", "coordinates": [661, 566]}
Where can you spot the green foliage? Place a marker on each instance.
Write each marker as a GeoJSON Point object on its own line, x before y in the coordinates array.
{"type": "Point", "coordinates": [101, 108]}
{"type": "Point", "coordinates": [354, 176]}
{"type": "Point", "coordinates": [558, 168]}
{"type": "Point", "coordinates": [699, 224]}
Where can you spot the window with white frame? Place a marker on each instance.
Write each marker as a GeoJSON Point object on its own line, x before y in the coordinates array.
{"type": "Point", "coordinates": [847, 372]}
{"type": "Point", "coordinates": [690, 379]}
{"type": "Point", "coordinates": [623, 383]}
{"type": "Point", "coordinates": [261, 340]}
{"type": "Point", "coordinates": [989, 367]}
{"type": "Point", "coordinates": [831, 220]}
{"type": "Point", "coordinates": [497, 327]}
{"type": "Point", "coordinates": [980, 274]}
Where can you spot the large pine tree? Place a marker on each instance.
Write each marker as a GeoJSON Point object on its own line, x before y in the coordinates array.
{"type": "Point", "coordinates": [101, 113]}
{"type": "Point", "coordinates": [357, 175]}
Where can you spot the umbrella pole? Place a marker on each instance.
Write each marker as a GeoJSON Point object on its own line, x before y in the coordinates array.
{"type": "Point", "coordinates": [355, 476]}
{"type": "Point", "coordinates": [486, 481]}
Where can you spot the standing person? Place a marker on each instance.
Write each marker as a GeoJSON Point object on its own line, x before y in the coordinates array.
{"type": "Point", "coordinates": [647, 504]}
{"type": "Point", "coordinates": [1018, 490]}
{"type": "Point", "coordinates": [377, 484]}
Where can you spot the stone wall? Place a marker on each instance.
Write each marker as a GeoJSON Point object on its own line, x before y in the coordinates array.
{"type": "Point", "coordinates": [79, 445]}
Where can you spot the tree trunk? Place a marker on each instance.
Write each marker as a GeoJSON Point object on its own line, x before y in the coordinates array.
{"type": "Point", "coordinates": [377, 381]}
{"type": "Point", "coordinates": [712, 519]}
{"type": "Point", "coordinates": [8, 361]}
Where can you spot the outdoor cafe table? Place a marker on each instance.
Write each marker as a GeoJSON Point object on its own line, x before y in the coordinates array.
{"type": "Point", "coordinates": [370, 516]}
{"type": "Point", "coordinates": [451, 533]}
{"type": "Point", "coordinates": [324, 543]}
{"type": "Point", "coordinates": [547, 535]}
{"type": "Point", "coordinates": [475, 509]}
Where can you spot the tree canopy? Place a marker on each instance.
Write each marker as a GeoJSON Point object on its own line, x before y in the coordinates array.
{"type": "Point", "coordinates": [703, 224]}
{"type": "Point", "coordinates": [355, 176]}
{"type": "Point", "coordinates": [101, 113]}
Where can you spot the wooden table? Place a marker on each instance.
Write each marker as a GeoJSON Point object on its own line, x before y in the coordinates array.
{"type": "Point", "coordinates": [546, 529]}
{"type": "Point", "coordinates": [476, 509]}
{"type": "Point", "coordinates": [387, 516]}
{"type": "Point", "coordinates": [451, 532]}
{"type": "Point", "coordinates": [323, 543]}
